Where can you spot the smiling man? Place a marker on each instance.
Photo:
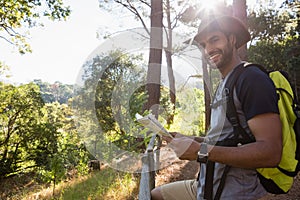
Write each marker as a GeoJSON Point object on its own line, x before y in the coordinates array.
{"type": "Point", "coordinates": [256, 103]}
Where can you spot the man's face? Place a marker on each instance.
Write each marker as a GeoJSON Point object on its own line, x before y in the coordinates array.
{"type": "Point", "coordinates": [218, 48]}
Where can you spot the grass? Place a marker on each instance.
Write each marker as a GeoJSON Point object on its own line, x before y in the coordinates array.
{"type": "Point", "coordinates": [104, 184]}
{"type": "Point", "coordinates": [107, 184]}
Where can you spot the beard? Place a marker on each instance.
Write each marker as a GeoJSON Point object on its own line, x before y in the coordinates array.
{"type": "Point", "coordinates": [226, 57]}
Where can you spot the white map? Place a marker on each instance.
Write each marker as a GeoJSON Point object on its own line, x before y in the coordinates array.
{"type": "Point", "coordinates": [153, 124]}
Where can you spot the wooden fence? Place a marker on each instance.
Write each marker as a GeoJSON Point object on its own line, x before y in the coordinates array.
{"type": "Point", "coordinates": [150, 162]}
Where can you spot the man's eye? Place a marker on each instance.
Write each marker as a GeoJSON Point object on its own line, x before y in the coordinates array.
{"type": "Point", "coordinates": [214, 40]}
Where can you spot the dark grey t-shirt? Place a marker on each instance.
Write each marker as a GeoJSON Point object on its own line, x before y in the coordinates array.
{"type": "Point", "coordinates": [254, 94]}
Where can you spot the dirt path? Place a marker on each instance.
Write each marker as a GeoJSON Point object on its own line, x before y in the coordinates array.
{"type": "Point", "coordinates": [183, 170]}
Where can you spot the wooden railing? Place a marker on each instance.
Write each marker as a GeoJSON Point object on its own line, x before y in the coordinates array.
{"type": "Point", "coordinates": [150, 162]}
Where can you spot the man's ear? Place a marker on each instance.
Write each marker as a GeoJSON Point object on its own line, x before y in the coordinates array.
{"type": "Point", "coordinates": [232, 39]}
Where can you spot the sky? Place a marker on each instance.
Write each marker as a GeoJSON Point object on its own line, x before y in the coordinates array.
{"type": "Point", "coordinates": [61, 48]}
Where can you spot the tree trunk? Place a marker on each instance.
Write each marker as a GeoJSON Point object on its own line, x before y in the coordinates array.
{"type": "Point", "coordinates": [155, 58]}
{"type": "Point", "coordinates": [168, 52]}
{"type": "Point", "coordinates": [207, 91]}
{"type": "Point", "coordinates": [240, 11]}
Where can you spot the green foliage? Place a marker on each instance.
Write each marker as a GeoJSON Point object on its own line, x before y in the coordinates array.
{"type": "Point", "coordinates": [276, 43]}
{"type": "Point", "coordinates": [34, 135]}
{"type": "Point", "coordinates": [121, 82]}
{"type": "Point", "coordinates": [55, 92]}
{"type": "Point", "coordinates": [63, 150]}
{"type": "Point", "coordinates": [113, 89]}
{"type": "Point", "coordinates": [19, 126]}
{"type": "Point", "coordinates": [190, 112]}
{"type": "Point", "coordinates": [263, 51]}
{"type": "Point", "coordinates": [269, 25]}
{"type": "Point", "coordinates": [276, 55]}
{"type": "Point", "coordinates": [16, 14]}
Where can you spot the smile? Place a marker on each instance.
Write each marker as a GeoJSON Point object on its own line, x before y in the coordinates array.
{"type": "Point", "coordinates": [214, 56]}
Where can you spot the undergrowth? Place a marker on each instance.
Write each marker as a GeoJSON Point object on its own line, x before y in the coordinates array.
{"type": "Point", "coordinates": [105, 184]}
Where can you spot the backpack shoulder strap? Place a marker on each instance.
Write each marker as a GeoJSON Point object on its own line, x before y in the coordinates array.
{"type": "Point", "coordinates": [261, 67]}
{"type": "Point", "coordinates": [240, 134]}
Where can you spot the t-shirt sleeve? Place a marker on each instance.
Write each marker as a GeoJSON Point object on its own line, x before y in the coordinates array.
{"type": "Point", "coordinates": [256, 92]}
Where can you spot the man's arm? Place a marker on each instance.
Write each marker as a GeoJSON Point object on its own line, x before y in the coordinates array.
{"type": "Point", "coordinates": [265, 152]}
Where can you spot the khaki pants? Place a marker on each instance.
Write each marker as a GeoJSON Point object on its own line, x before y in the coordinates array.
{"type": "Point", "coordinates": [180, 190]}
{"type": "Point", "coordinates": [186, 190]}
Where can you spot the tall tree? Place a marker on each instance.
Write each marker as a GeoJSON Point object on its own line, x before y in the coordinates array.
{"type": "Point", "coordinates": [142, 10]}
{"type": "Point", "coordinates": [112, 92]}
{"type": "Point", "coordinates": [20, 111]}
{"type": "Point", "coordinates": [155, 57]}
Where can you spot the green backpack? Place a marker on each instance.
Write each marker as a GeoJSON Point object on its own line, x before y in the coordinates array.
{"type": "Point", "coordinates": [276, 180]}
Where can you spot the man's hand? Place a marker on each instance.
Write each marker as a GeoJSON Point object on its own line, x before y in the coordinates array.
{"type": "Point", "coordinates": [186, 148]}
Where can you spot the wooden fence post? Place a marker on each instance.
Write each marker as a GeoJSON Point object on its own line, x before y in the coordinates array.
{"type": "Point", "coordinates": [147, 182]}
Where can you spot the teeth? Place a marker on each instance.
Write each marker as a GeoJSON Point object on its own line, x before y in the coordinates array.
{"type": "Point", "coordinates": [214, 56]}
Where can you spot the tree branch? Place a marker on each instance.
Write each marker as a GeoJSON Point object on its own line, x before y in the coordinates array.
{"type": "Point", "coordinates": [132, 9]}
{"type": "Point", "coordinates": [146, 3]}
{"type": "Point", "coordinates": [10, 31]}
{"type": "Point", "coordinates": [4, 38]}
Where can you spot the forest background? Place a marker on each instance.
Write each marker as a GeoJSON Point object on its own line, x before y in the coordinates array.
{"type": "Point", "coordinates": [50, 131]}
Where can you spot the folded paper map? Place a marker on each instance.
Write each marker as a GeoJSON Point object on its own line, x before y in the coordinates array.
{"type": "Point", "coordinates": [153, 124]}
